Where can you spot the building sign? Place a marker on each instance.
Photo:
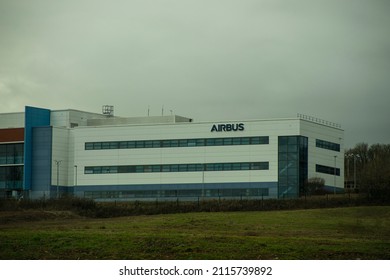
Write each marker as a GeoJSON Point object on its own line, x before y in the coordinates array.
{"type": "Point", "coordinates": [227, 127]}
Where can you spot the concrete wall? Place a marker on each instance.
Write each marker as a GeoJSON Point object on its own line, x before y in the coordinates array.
{"type": "Point", "coordinates": [324, 156]}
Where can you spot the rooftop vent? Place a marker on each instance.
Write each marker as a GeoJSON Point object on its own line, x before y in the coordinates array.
{"type": "Point", "coordinates": [108, 110]}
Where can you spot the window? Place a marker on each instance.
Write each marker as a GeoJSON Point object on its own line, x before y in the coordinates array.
{"type": "Point", "coordinates": [292, 165]}
{"type": "Point", "coordinates": [149, 144]}
{"type": "Point", "coordinates": [327, 170]}
{"type": "Point", "coordinates": [11, 153]}
{"type": "Point", "coordinates": [327, 145]}
{"type": "Point", "coordinates": [258, 140]}
{"type": "Point", "coordinates": [192, 167]}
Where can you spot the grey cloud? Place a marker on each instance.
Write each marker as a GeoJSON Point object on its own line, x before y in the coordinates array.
{"type": "Point", "coordinates": [205, 59]}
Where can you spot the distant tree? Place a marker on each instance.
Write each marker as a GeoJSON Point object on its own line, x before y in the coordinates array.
{"type": "Point", "coordinates": [315, 185]}
{"type": "Point", "coordinates": [372, 169]}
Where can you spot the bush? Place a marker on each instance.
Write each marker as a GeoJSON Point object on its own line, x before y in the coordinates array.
{"type": "Point", "coordinates": [92, 209]}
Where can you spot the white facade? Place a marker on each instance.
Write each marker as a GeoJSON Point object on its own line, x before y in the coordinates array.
{"type": "Point", "coordinates": [101, 157]}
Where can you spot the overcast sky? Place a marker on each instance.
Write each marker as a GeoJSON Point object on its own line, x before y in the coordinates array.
{"type": "Point", "coordinates": [205, 59]}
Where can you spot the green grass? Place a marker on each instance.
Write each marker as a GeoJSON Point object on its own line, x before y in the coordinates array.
{"type": "Point", "coordinates": [338, 233]}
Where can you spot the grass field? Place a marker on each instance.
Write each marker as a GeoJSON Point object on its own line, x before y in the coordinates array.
{"type": "Point", "coordinates": [338, 233]}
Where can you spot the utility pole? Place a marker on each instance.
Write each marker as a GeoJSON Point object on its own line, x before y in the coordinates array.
{"type": "Point", "coordinates": [335, 157]}
{"type": "Point", "coordinates": [354, 170]}
{"type": "Point", "coordinates": [75, 183]}
{"type": "Point", "coordinates": [58, 162]}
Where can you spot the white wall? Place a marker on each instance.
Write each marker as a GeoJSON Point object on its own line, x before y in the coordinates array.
{"type": "Point", "coordinates": [11, 120]}
{"type": "Point", "coordinates": [245, 153]}
{"type": "Point", "coordinates": [68, 146]}
{"type": "Point", "coordinates": [324, 156]}
{"type": "Point", "coordinates": [60, 152]}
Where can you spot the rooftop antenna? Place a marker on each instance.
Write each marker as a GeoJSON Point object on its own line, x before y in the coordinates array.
{"type": "Point", "coordinates": [108, 110]}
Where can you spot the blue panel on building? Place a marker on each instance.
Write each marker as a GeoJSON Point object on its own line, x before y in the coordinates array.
{"type": "Point", "coordinates": [41, 159]}
{"type": "Point", "coordinates": [34, 117]}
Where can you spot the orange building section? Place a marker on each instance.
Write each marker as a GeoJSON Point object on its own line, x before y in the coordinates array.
{"type": "Point", "coordinates": [11, 135]}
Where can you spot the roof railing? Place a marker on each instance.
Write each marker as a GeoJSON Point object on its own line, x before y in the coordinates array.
{"type": "Point", "coordinates": [318, 120]}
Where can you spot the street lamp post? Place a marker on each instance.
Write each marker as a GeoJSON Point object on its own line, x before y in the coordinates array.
{"type": "Point", "coordinates": [75, 183]}
{"type": "Point", "coordinates": [58, 162]}
{"type": "Point", "coordinates": [354, 166]}
{"type": "Point", "coordinates": [334, 190]}
{"type": "Point", "coordinates": [354, 170]}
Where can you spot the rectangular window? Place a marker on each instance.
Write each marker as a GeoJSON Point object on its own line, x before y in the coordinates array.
{"type": "Point", "coordinates": [218, 142]}
{"type": "Point", "coordinates": [228, 141]}
{"type": "Point", "coordinates": [236, 141]}
{"type": "Point", "coordinates": [245, 141]}
{"type": "Point", "coordinates": [131, 144]}
{"type": "Point", "coordinates": [191, 142]}
{"type": "Point", "coordinates": [192, 167]}
{"type": "Point", "coordinates": [210, 142]}
{"type": "Point", "coordinates": [176, 143]}
{"type": "Point", "coordinates": [149, 144]}
{"type": "Point", "coordinates": [105, 145]}
{"type": "Point", "coordinates": [140, 144]}
{"type": "Point", "coordinates": [327, 170]}
{"type": "Point", "coordinates": [327, 145]}
{"type": "Point", "coordinates": [123, 145]}
{"type": "Point", "coordinates": [156, 144]}
{"type": "Point", "coordinates": [97, 146]}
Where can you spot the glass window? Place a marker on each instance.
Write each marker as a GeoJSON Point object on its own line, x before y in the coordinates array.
{"type": "Point", "coordinates": [191, 167]}
{"type": "Point", "coordinates": [97, 170]}
{"type": "Point", "coordinates": [292, 140]}
{"type": "Point", "coordinates": [97, 146]}
{"type": "Point", "coordinates": [156, 168]}
{"type": "Point", "coordinates": [113, 169]}
{"type": "Point", "coordinates": [88, 146]}
{"type": "Point", "coordinates": [123, 169]}
{"type": "Point", "coordinates": [200, 142]}
{"type": "Point", "coordinates": [182, 167]}
{"type": "Point", "coordinates": [210, 142]}
{"type": "Point", "coordinates": [156, 143]}
{"type": "Point", "coordinates": [228, 141]}
{"type": "Point", "coordinates": [175, 143]}
{"type": "Point", "coordinates": [183, 143]}
{"type": "Point", "coordinates": [191, 143]}
{"type": "Point", "coordinates": [139, 144]}
{"type": "Point", "coordinates": [114, 145]}
{"type": "Point", "coordinates": [147, 168]}
{"type": "Point", "coordinates": [123, 145]}
{"type": "Point", "coordinates": [166, 143]}
{"type": "Point", "coordinates": [131, 144]}
{"type": "Point", "coordinates": [260, 166]}
{"type": "Point", "coordinates": [236, 166]}
{"type": "Point", "coordinates": [105, 169]}
{"type": "Point", "coordinates": [283, 140]}
{"type": "Point", "coordinates": [255, 140]}
{"type": "Point", "coordinates": [236, 141]}
{"type": "Point", "coordinates": [199, 167]}
{"type": "Point", "coordinates": [179, 143]}
{"type": "Point", "coordinates": [88, 170]}
{"type": "Point", "coordinates": [174, 167]}
{"type": "Point", "coordinates": [210, 167]}
{"type": "Point", "coordinates": [139, 169]}
{"type": "Point", "coordinates": [227, 166]}
{"type": "Point", "coordinates": [149, 144]}
{"type": "Point", "coordinates": [245, 141]}
{"type": "Point", "coordinates": [245, 166]}
{"type": "Point", "coordinates": [105, 145]}
{"type": "Point", "coordinates": [218, 142]}
{"type": "Point", "coordinates": [166, 168]}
